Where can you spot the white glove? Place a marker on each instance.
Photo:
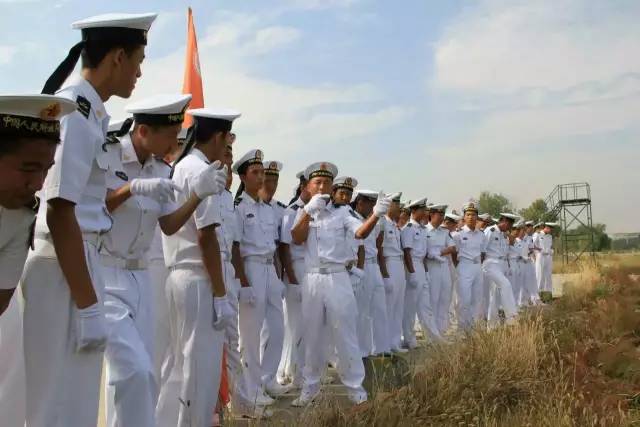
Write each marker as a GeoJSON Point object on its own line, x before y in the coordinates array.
{"type": "Point", "coordinates": [91, 329]}
{"type": "Point", "coordinates": [388, 285]}
{"type": "Point", "coordinates": [222, 312]}
{"type": "Point", "coordinates": [435, 255]}
{"type": "Point", "coordinates": [211, 181]}
{"type": "Point", "coordinates": [356, 275]}
{"type": "Point", "coordinates": [413, 281]}
{"type": "Point", "coordinates": [316, 204]}
{"type": "Point", "coordinates": [159, 189]}
{"type": "Point", "coordinates": [382, 205]}
{"type": "Point", "coordinates": [246, 295]}
{"type": "Point", "coordinates": [295, 292]}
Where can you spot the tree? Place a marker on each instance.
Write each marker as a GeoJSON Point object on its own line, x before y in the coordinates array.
{"type": "Point", "coordinates": [537, 212]}
{"type": "Point", "coordinates": [601, 241]}
{"type": "Point", "coordinates": [493, 203]}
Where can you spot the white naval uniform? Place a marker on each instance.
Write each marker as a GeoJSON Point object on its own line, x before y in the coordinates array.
{"type": "Point", "coordinates": [63, 385]}
{"type": "Point", "coordinates": [392, 251]}
{"type": "Point", "coordinates": [158, 273]}
{"type": "Point", "coordinates": [544, 261]}
{"type": "Point", "coordinates": [292, 360]}
{"type": "Point", "coordinates": [272, 333]}
{"type": "Point", "coordinates": [495, 269]}
{"type": "Point", "coordinates": [371, 298]}
{"type": "Point", "coordinates": [15, 232]}
{"type": "Point", "coordinates": [440, 282]}
{"type": "Point", "coordinates": [257, 235]}
{"type": "Point", "coordinates": [529, 281]}
{"type": "Point", "coordinates": [470, 245]}
{"type": "Point", "coordinates": [514, 255]}
{"type": "Point", "coordinates": [328, 302]}
{"type": "Point", "coordinates": [189, 393]}
{"type": "Point", "coordinates": [131, 387]}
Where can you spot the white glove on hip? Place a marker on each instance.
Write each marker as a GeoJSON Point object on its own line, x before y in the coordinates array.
{"type": "Point", "coordinates": [91, 329]}
{"type": "Point", "coordinates": [246, 295]}
{"type": "Point", "coordinates": [222, 312]}
{"type": "Point", "coordinates": [159, 189]}
{"type": "Point", "coordinates": [356, 275]}
{"type": "Point", "coordinates": [413, 281]}
{"type": "Point", "coordinates": [388, 284]}
{"type": "Point", "coordinates": [211, 181]}
{"type": "Point", "coordinates": [382, 205]}
{"type": "Point", "coordinates": [316, 204]}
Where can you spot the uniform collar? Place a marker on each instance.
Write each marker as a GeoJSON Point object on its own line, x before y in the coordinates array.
{"type": "Point", "coordinates": [128, 152]}
{"type": "Point", "coordinates": [247, 198]}
{"type": "Point", "coordinates": [200, 155]}
{"type": "Point", "coordinates": [97, 106]}
{"type": "Point", "coordinates": [414, 222]}
{"type": "Point", "coordinates": [299, 202]}
{"type": "Point", "coordinates": [466, 228]}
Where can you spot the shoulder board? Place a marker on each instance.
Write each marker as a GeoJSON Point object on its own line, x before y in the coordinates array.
{"type": "Point", "coordinates": [493, 228]}
{"type": "Point", "coordinates": [295, 207]}
{"type": "Point", "coordinates": [237, 201]}
{"type": "Point", "coordinates": [409, 225]}
{"type": "Point", "coordinates": [353, 214]}
{"type": "Point", "coordinates": [282, 205]}
{"type": "Point", "coordinates": [84, 106]}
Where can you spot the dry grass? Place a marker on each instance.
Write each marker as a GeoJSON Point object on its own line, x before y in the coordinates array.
{"type": "Point", "coordinates": [574, 363]}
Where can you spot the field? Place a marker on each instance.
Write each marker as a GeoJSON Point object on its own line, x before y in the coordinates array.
{"type": "Point", "coordinates": [575, 362]}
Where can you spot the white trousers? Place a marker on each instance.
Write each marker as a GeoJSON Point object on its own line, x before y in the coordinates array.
{"type": "Point", "coordinates": [441, 289]}
{"type": "Point", "coordinates": [372, 322]}
{"type": "Point", "coordinates": [470, 293]}
{"type": "Point", "coordinates": [272, 333]}
{"type": "Point", "coordinates": [268, 303]}
{"type": "Point", "coordinates": [158, 273]}
{"type": "Point", "coordinates": [515, 277]}
{"type": "Point", "coordinates": [12, 381]}
{"type": "Point", "coordinates": [529, 283]}
{"type": "Point", "coordinates": [501, 291]}
{"type": "Point", "coordinates": [425, 309]}
{"type": "Point", "coordinates": [330, 314]}
{"type": "Point", "coordinates": [395, 300]}
{"type": "Point", "coordinates": [189, 395]}
{"type": "Point", "coordinates": [63, 385]}
{"type": "Point", "coordinates": [131, 388]}
{"type": "Point", "coordinates": [292, 360]}
{"type": "Point", "coordinates": [411, 303]}
{"type": "Point", "coordinates": [544, 267]}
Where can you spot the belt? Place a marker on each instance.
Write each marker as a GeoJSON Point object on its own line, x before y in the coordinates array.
{"type": "Point", "coordinates": [125, 264]}
{"type": "Point", "coordinates": [372, 260]}
{"type": "Point", "coordinates": [399, 257]}
{"type": "Point", "coordinates": [327, 269]}
{"type": "Point", "coordinates": [546, 253]}
{"type": "Point", "coordinates": [472, 261]}
{"type": "Point", "coordinates": [496, 258]}
{"type": "Point", "coordinates": [260, 259]}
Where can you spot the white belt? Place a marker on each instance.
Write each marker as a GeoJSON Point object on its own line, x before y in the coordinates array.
{"type": "Point", "coordinates": [372, 260]}
{"type": "Point", "coordinates": [327, 269]}
{"type": "Point", "coordinates": [494, 258]}
{"type": "Point", "coordinates": [44, 243]}
{"type": "Point", "coordinates": [125, 264]}
{"type": "Point", "coordinates": [469, 260]}
{"type": "Point", "coordinates": [260, 259]}
{"type": "Point", "coordinates": [398, 257]}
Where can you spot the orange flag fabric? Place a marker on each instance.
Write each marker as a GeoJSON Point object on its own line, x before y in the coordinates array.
{"type": "Point", "coordinates": [192, 82]}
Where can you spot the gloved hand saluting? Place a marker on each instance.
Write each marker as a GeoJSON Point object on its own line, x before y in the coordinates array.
{"type": "Point", "coordinates": [91, 329]}
{"type": "Point", "coordinates": [211, 181]}
{"type": "Point", "coordinates": [382, 205]}
{"type": "Point", "coordinates": [316, 204]}
{"type": "Point", "coordinates": [159, 189]}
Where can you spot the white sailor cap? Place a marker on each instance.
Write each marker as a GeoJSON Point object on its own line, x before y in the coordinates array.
{"type": "Point", "coordinates": [404, 204]}
{"type": "Point", "coordinates": [485, 217]}
{"type": "Point", "coordinates": [471, 205]}
{"type": "Point", "coordinates": [508, 215]}
{"type": "Point", "coordinates": [395, 197]}
{"type": "Point", "coordinates": [367, 194]}
{"type": "Point", "coordinates": [452, 217]}
{"type": "Point", "coordinates": [182, 135]}
{"type": "Point", "coordinates": [215, 119]}
{"type": "Point", "coordinates": [272, 167]}
{"type": "Point", "coordinates": [518, 224]}
{"type": "Point", "coordinates": [163, 110]}
{"type": "Point", "coordinates": [418, 203]}
{"type": "Point", "coordinates": [33, 116]}
{"type": "Point", "coordinates": [252, 157]}
{"type": "Point", "coordinates": [438, 208]}
{"type": "Point", "coordinates": [300, 175]}
{"type": "Point", "coordinates": [528, 223]}
{"type": "Point", "coordinates": [346, 182]}
{"type": "Point", "coordinates": [551, 224]}
{"type": "Point", "coordinates": [323, 169]}
{"type": "Point", "coordinates": [540, 224]}
{"type": "Point", "coordinates": [131, 21]}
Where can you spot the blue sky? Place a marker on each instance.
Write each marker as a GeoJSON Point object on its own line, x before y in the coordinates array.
{"type": "Point", "coordinates": [441, 99]}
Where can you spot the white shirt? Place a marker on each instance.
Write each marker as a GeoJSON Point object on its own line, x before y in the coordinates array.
{"type": "Point", "coordinates": [278, 209]}
{"type": "Point", "coordinates": [528, 241]}
{"type": "Point", "coordinates": [135, 221]}
{"type": "Point", "coordinates": [329, 236]}
{"type": "Point", "coordinates": [370, 247]}
{"type": "Point", "coordinates": [391, 244]}
{"type": "Point", "coordinates": [470, 243]}
{"type": "Point", "coordinates": [414, 237]}
{"type": "Point", "coordinates": [182, 247]}
{"type": "Point", "coordinates": [155, 250]}
{"type": "Point", "coordinates": [81, 162]}
{"type": "Point", "coordinates": [544, 242]}
{"type": "Point", "coordinates": [437, 240]}
{"type": "Point", "coordinates": [288, 219]}
{"type": "Point", "coordinates": [515, 250]}
{"type": "Point", "coordinates": [15, 238]}
{"type": "Point", "coordinates": [228, 232]}
{"type": "Point", "coordinates": [257, 227]}
{"type": "Point", "coordinates": [497, 244]}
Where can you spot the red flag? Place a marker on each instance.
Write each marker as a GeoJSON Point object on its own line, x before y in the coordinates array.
{"type": "Point", "coordinates": [192, 78]}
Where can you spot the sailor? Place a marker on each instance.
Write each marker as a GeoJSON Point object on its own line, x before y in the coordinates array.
{"type": "Point", "coordinates": [514, 256]}
{"type": "Point", "coordinates": [64, 325]}
{"type": "Point", "coordinates": [328, 301]}
{"type": "Point", "coordinates": [198, 303]}
{"type": "Point", "coordinates": [30, 133]}
{"type": "Point", "coordinates": [529, 281]}
{"type": "Point", "coordinates": [544, 261]}
{"type": "Point", "coordinates": [390, 259]}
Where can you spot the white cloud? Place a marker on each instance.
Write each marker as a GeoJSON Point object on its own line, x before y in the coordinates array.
{"type": "Point", "coordinates": [271, 38]}
{"type": "Point", "coordinates": [7, 53]}
{"type": "Point", "coordinates": [321, 4]}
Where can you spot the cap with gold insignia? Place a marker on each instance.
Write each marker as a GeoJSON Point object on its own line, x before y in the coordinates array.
{"type": "Point", "coordinates": [160, 110]}
{"type": "Point", "coordinates": [111, 29]}
{"type": "Point", "coordinates": [321, 169]}
{"type": "Point", "coordinates": [471, 205]}
{"type": "Point", "coordinates": [508, 215]}
{"type": "Point", "coordinates": [272, 167]}
{"type": "Point", "coordinates": [438, 208]}
{"type": "Point", "coordinates": [214, 119]}
{"type": "Point", "coordinates": [33, 116]}
{"type": "Point", "coordinates": [345, 182]}
{"type": "Point", "coordinates": [418, 204]}
{"type": "Point", "coordinates": [252, 157]}
{"type": "Point", "coordinates": [395, 197]}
